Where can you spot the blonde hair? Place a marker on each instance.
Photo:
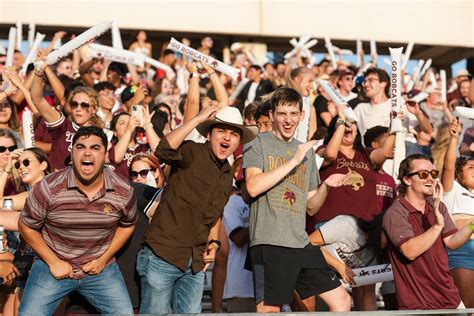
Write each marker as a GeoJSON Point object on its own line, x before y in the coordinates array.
{"type": "Point", "coordinates": [295, 73]}
{"type": "Point", "coordinates": [95, 120]}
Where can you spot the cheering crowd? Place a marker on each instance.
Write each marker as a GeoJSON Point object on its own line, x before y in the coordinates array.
{"type": "Point", "coordinates": [140, 179]}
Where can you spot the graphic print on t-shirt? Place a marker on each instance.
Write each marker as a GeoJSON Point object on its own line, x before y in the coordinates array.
{"type": "Point", "coordinates": [285, 196]}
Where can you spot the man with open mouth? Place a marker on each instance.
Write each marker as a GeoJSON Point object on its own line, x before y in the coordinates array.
{"type": "Point", "coordinates": [76, 220]}
{"type": "Point", "coordinates": [182, 239]}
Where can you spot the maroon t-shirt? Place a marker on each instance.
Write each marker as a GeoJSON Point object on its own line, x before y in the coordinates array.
{"type": "Point", "coordinates": [423, 283]}
{"type": "Point", "coordinates": [122, 168]}
{"type": "Point", "coordinates": [62, 131]}
{"type": "Point", "coordinates": [385, 190]}
{"type": "Point", "coordinates": [42, 133]}
{"type": "Point", "coordinates": [357, 196]}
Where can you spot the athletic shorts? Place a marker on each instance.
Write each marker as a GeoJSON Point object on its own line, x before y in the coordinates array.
{"type": "Point", "coordinates": [278, 271]}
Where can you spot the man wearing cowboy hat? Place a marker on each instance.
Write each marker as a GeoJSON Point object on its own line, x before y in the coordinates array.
{"type": "Point", "coordinates": [182, 238]}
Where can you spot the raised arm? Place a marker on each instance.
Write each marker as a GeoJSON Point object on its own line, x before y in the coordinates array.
{"type": "Point", "coordinates": [423, 120]}
{"type": "Point", "coordinates": [49, 114]}
{"type": "Point", "coordinates": [84, 72]}
{"type": "Point", "coordinates": [15, 79]}
{"type": "Point", "coordinates": [122, 145]}
{"type": "Point", "coordinates": [221, 93]}
{"type": "Point", "coordinates": [153, 138]}
{"type": "Point", "coordinates": [448, 172]}
{"type": "Point", "coordinates": [192, 101]}
{"type": "Point", "coordinates": [56, 84]}
{"type": "Point", "coordinates": [332, 148]}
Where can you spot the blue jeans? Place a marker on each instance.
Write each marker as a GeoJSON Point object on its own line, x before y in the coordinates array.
{"type": "Point", "coordinates": [105, 291]}
{"type": "Point", "coordinates": [163, 285]}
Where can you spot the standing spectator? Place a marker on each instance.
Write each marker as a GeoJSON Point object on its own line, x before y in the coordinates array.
{"type": "Point", "coordinates": [107, 101]}
{"type": "Point", "coordinates": [75, 254]}
{"type": "Point", "coordinates": [419, 228]}
{"type": "Point", "coordinates": [458, 185]}
{"type": "Point", "coordinates": [282, 178]}
{"type": "Point", "coordinates": [253, 89]}
{"type": "Point", "coordinates": [182, 238]}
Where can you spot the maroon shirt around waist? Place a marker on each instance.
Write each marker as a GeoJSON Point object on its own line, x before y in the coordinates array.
{"type": "Point", "coordinates": [76, 229]}
{"type": "Point", "coordinates": [198, 188]}
{"type": "Point", "coordinates": [424, 283]}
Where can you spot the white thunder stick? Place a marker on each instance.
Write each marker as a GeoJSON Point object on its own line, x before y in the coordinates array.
{"type": "Point", "coordinates": [373, 47]}
{"type": "Point", "coordinates": [426, 66]}
{"type": "Point", "coordinates": [116, 37]}
{"type": "Point", "coordinates": [337, 98]}
{"type": "Point", "coordinates": [28, 129]}
{"type": "Point", "coordinates": [373, 274]}
{"type": "Point", "coordinates": [158, 64]}
{"type": "Point", "coordinates": [31, 34]}
{"type": "Point", "coordinates": [78, 41]}
{"type": "Point", "coordinates": [416, 75]}
{"type": "Point", "coordinates": [432, 77]}
{"type": "Point", "coordinates": [19, 35]}
{"type": "Point", "coordinates": [118, 55]}
{"type": "Point", "coordinates": [330, 51]}
{"type": "Point", "coordinates": [442, 74]}
{"type": "Point", "coordinates": [396, 101]}
{"type": "Point", "coordinates": [32, 53]}
{"type": "Point", "coordinates": [11, 46]}
{"type": "Point", "coordinates": [198, 56]}
{"type": "Point", "coordinates": [359, 53]}
{"type": "Point", "coordinates": [407, 55]}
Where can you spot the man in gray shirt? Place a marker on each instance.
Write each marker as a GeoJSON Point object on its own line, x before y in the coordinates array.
{"type": "Point", "coordinates": [282, 178]}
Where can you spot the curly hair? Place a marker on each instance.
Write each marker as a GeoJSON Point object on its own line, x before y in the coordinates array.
{"type": "Point", "coordinates": [95, 120]}
{"type": "Point", "coordinates": [460, 163]}
{"type": "Point", "coordinates": [405, 169]}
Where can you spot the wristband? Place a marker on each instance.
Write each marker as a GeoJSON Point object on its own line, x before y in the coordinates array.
{"type": "Point", "coordinates": [471, 226]}
{"type": "Point", "coordinates": [343, 122]}
{"type": "Point", "coordinates": [194, 75]}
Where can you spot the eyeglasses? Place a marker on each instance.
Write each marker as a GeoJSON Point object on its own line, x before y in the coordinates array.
{"type": "Point", "coordinates": [25, 162]}
{"type": "Point", "coordinates": [10, 148]}
{"type": "Point", "coordinates": [370, 80]}
{"type": "Point", "coordinates": [84, 105]}
{"type": "Point", "coordinates": [143, 173]}
{"type": "Point", "coordinates": [423, 174]}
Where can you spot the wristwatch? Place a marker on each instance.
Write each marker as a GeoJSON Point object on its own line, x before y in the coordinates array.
{"type": "Point", "coordinates": [215, 241]}
{"type": "Point", "coordinates": [343, 122]}
{"type": "Point", "coordinates": [194, 74]}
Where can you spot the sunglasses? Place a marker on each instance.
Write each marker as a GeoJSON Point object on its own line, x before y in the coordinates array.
{"type": "Point", "coordinates": [423, 174]}
{"type": "Point", "coordinates": [25, 162]}
{"type": "Point", "coordinates": [84, 105]}
{"type": "Point", "coordinates": [10, 148]}
{"type": "Point", "coordinates": [143, 173]}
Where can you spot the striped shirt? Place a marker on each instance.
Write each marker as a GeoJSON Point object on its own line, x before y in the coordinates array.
{"type": "Point", "coordinates": [76, 228]}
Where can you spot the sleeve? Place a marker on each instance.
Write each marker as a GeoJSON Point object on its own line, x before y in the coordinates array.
{"type": "Point", "coordinates": [145, 196]}
{"type": "Point", "coordinates": [449, 226]}
{"type": "Point", "coordinates": [253, 155]}
{"type": "Point", "coordinates": [336, 229]}
{"type": "Point", "coordinates": [397, 227]}
{"type": "Point", "coordinates": [174, 157]}
{"type": "Point", "coordinates": [41, 133]}
{"type": "Point", "coordinates": [36, 208]}
{"type": "Point", "coordinates": [232, 215]}
{"type": "Point", "coordinates": [53, 126]}
{"type": "Point", "coordinates": [129, 216]}
{"type": "Point", "coordinates": [314, 176]}
{"type": "Point", "coordinates": [321, 105]}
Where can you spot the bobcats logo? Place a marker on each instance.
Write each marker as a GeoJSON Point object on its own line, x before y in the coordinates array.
{"type": "Point", "coordinates": [355, 179]}
{"type": "Point", "coordinates": [290, 196]}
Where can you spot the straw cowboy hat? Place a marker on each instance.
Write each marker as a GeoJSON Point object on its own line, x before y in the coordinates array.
{"type": "Point", "coordinates": [229, 116]}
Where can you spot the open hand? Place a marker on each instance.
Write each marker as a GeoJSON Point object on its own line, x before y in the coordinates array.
{"type": "Point", "coordinates": [300, 153]}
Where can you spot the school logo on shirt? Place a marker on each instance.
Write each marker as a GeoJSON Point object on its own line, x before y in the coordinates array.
{"type": "Point", "coordinates": [355, 179]}
{"type": "Point", "coordinates": [289, 196]}
{"type": "Point", "coordinates": [107, 209]}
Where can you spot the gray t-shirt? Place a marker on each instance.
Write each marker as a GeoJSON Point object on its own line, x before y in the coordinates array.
{"type": "Point", "coordinates": [345, 240]}
{"type": "Point", "coordinates": [278, 216]}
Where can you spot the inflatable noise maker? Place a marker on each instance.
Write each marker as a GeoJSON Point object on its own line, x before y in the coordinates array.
{"type": "Point", "coordinates": [32, 53]}
{"type": "Point", "coordinates": [118, 55]}
{"type": "Point", "coordinates": [372, 275]}
{"type": "Point", "coordinates": [337, 99]}
{"type": "Point", "coordinates": [198, 56]}
{"type": "Point", "coordinates": [77, 42]}
{"type": "Point", "coordinates": [303, 45]}
{"type": "Point", "coordinates": [28, 129]}
{"type": "Point", "coordinates": [11, 46]}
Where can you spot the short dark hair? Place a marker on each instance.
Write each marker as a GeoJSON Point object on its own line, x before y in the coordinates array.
{"type": "Point", "coordinates": [285, 96]}
{"type": "Point", "coordinates": [256, 67]}
{"type": "Point", "coordinates": [373, 134]}
{"type": "Point", "coordinates": [119, 68]}
{"type": "Point", "coordinates": [382, 75]}
{"type": "Point", "coordinates": [263, 109]}
{"type": "Point", "coordinates": [159, 120]}
{"type": "Point", "coordinates": [251, 109]}
{"type": "Point", "coordinates": [86, 131]}
{"type": "Point", "coordinates": [104, 85]}
{"type": "Point", "coordinates": [405, 169]}
{"type": "Point", "coordinates": [167, 52]}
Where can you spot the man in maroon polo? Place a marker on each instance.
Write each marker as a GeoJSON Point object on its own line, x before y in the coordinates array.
{"type": "Point", "coordinates": [419, 228]}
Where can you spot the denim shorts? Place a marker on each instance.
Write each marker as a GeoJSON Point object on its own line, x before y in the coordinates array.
{"type": "Point", "coordinates": [462, 257]}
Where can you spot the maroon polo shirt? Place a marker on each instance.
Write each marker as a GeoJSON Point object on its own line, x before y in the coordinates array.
{"type": "Point", "coordinates": [424, 283]}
